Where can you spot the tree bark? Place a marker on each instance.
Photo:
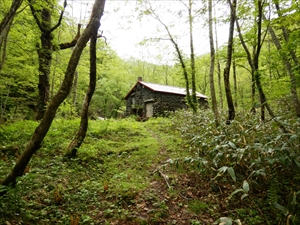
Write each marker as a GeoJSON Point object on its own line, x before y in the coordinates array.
{"type": "Point", "coordinates": [42, 129]}
{"type": "Point", "coordinates": [75, 84]}
{"type": "Point", "coordinates": [9, 16]}
{"type": "Point", "coordinates": [181, 60]}
{"type": "Point", "coordinates": [5, 28]}
{"type": "Point", "coordinates": [44, 53]}
{"type": "Point", "coordinates": [212, 66]}
{"type": "Point", "coordinates": [234, 82]}
{"type": "Point", "coordinates": [286, 35]}
{"type": "Point", "coordinates": [254, 64]}
{"type": "Point", "coordinates": [289, 68]}
{"type": "Point", "coordinates": [81, 133]}
{"type": "Point", "coordinates": [193, 69]}
{"type": "Point", "coordinates": [218, 67]}
{"type": "Point", "coordinates": [230, 105]}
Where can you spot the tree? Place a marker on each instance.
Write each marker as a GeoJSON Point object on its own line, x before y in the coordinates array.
{"type": "Point", "coordinates": [286, 54]}
{"type": "Point", "coordinates": [212, 65]}
{"type": "Point", "coordinates": [43, 18]}
{"type": "Point", "coordinates": [218, 64]}
{"type": "Point", "coordinates": [43, 127]}
{"type": "Point", "coordinates": [191, 97]}
{"type": "Point", "coordinates": [81, 133]}
{"type": "Point", "coordinates": [231, 110]}
{"type": "Point", "coordinates": [5, 27]}
{"type": "Point", "coordinates": [254, 62]}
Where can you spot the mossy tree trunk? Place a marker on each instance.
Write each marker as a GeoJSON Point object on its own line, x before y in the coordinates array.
{"type": "Point", "coordinates": [5, 28]}
{"type": "Point", "coordinates": [230, 105]}
{"type": "Point", "coordinates": [81, 133]}
{"type": "Point", "coordinates": [42, 129]}
{"type": "Point", "coordinates": [212, 65]}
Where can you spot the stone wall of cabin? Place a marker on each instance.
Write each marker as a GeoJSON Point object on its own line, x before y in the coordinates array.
{"type": "Point", "coordinates": [162, 102]}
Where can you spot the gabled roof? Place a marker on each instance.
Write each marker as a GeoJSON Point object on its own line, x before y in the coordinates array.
{"type": "Point", "coordinates": [164, 89]}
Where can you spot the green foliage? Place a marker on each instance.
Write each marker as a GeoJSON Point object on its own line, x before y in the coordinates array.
{"type": "Point", "coordinates": [197, 206]}
{"type": "Point", "coordinates": [111, 170]}
{"type": "Point", "coordinates": [258, 154]}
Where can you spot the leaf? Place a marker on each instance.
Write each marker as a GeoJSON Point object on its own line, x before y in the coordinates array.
{"type": "Point", "coordinates": [147, 12]}
{"type": "Point", "coordinates": [235, 192]}
{"type": "Point", "coordinates": [244, 196]}
{"type": "Point", "coordinates": [280, 207]}
{"type": "Point", "coordinates": [221, 170]}
{"type": "Point", "coordinates": [232, 145]}
{"type": "Point", "coordinates": [225, 221]}
{"type": "Point", "coordinates": [246, 186]}
{"type": "Point", "coordinates": [231, 173]}
{"type": "Point", "coordinates": [294, 137]}
{"type": "Point", "coordinates": [297, 163]}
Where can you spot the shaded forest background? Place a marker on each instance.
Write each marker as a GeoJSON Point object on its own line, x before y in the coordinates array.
{"type": "Point", "coordinates": [115, 77]}
{"type": "Point", "coordinates": [53, 69]}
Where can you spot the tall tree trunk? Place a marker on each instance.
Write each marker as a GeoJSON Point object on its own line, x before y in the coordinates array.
{"type": "Point", "coordinates": [289, 69]}
{"type": "Point", "coordinates": [193, 69]}
{"type": "Point", "coordinates": [254, 64]}
{"type": "Point", "coordinates": [42, 129]}
{"type": "Point", "coordinates": [5, 28]}
{"type": "Point", "coordinates": [45, 59]}
{"type": "Point", "coordinates": [286, 35]}
{"type": "Point", "coordinates": [231, 110]}
{"type": "Point", "coordinates": [218, 66]}
{"type": "Point", "coordinates": [81, 133]}
{"type": "Point", "coordinates": [9, 16]}
{"type": "Point", "coordinates": [234, 83]}
{"type": "Point", "coordinates": [44, 50]}
{"type": "Point", "coordinates": [3, 44]}
{"type": "Point", "coordinates": [181, 60]}
{"type": "Point", "coordinates": [212, 65]}
{"type": "Point", "coordinates": [75, 89]}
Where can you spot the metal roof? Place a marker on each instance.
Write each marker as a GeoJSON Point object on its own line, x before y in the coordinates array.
{"type": "Point", "coordinates": [165, 89]}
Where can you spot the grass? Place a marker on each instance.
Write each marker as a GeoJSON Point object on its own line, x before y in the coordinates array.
{"type": "Point", "coordinates": [115, 163]}
{"type": "Point", "coordinates": [163, 171]}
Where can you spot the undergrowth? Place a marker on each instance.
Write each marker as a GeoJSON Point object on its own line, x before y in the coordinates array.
{"type": "Point", "coordinates": [175, 170]}
{"type": "Point", "coordinates": [255, 161]}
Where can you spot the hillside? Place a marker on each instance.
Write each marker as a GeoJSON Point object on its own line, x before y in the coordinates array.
{"type": "Point", "coordinates": [176, 170]}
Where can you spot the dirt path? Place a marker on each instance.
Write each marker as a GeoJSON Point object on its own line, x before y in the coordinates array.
{"type": "Point", "coordinates": [169, 198]}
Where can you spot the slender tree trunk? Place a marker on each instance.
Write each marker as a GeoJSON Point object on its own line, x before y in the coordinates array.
{"type": "Point", "coordinates": [180, 57]}
{"type": "Point", "coordinates": [257, 74]}
{"type": "Point", "coordinates": [231, 110]}
{"type": "Point", "coordinates": [193, 69]}
{"type": "Point", "coordinates": [5, 28]}
{"type": "Point", "coordinates": [45, 49]}
{"type": "Point", "coordinates": [288, 67]}
{"type": "Point", "coordinates": [212, 65]}
{"type": "Point", "coordinates": [9, 16]}
{"type": "Point", "coordinates": [81, 133]}
{"type": "Point", "coordinates": [3, 44]}
{"type": "Point", "coordinates": [218, 66]}
{"type": "Point", "coordinates": [75, 89]}
{"type": "Point", "coordinates": [42, 129]}
{"type": "Point", "coordinates": [254, 64]}
{"type": "Point", "coordinates": [286, 35]}
{"type": "Point", "coordinates": [234, 83]}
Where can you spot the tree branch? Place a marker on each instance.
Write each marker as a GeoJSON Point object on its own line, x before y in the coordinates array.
{"type": "Point", "coordinates": [34, 14]}
{"type": "Point", "coordinates": [69, 44]}
{"type": "Point", "coordinates": [60, 18]}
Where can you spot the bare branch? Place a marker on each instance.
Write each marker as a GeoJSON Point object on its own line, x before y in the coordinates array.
{"type": "Point", "coordinates": [60, 18]}
{"type": "Point", "coordinates": [72, 43]}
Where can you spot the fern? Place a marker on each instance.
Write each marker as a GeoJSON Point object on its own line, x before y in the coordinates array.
{"type": "Point", "coordinates": [273, 192]}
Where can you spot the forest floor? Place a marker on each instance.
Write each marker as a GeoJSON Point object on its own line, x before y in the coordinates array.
{"type": "Point", "coordinates": [126, 172]}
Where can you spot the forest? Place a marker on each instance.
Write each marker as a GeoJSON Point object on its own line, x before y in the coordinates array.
{"type": "Point", "coordinates": [69, 155]}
